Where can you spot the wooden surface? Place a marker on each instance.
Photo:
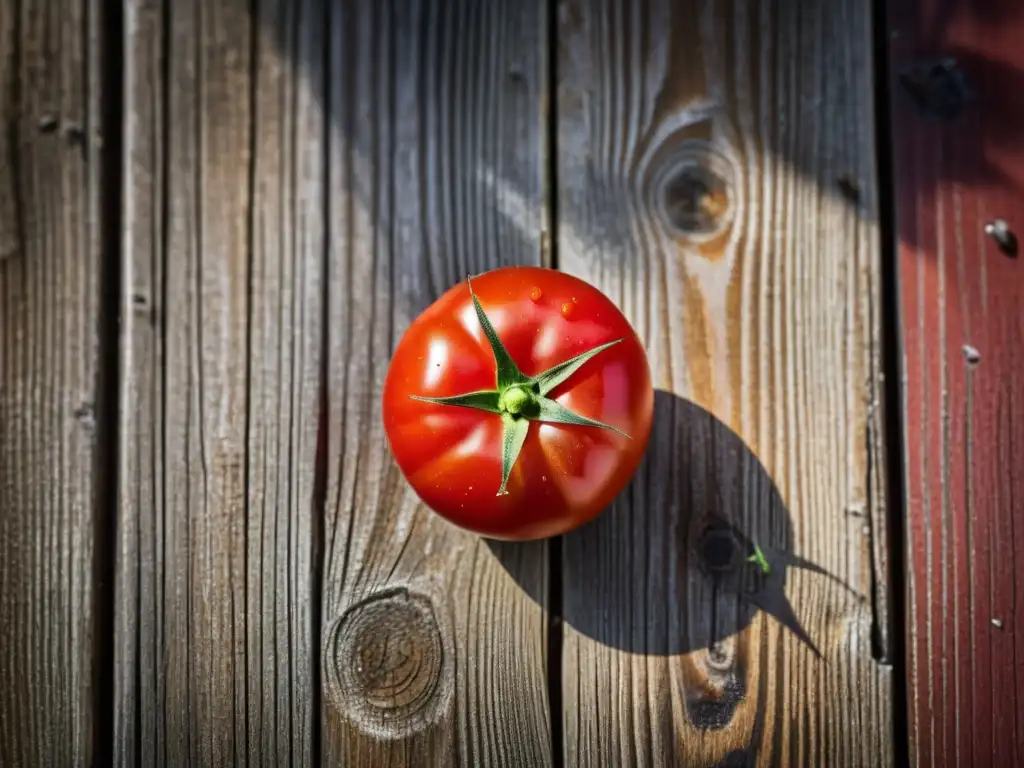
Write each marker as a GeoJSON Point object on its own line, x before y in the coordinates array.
{"type": "Point", "coordinates": [963, 336]}
{"type": "Point", "coordinates": [432, 655]}
{"type": "Point", "coordinates": [50, 265]}
{"type": "Point", "coordinates": [706, 155]}
{"type": "Point", "coordinates": [221, 384]}
{"type": "Point", "coordinates": [273, 255]}
{"type": "Point", "coordinates": [298, 181]}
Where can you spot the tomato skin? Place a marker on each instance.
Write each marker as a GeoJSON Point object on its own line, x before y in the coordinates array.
{"type": "Point", "coordinates": [565, 474]}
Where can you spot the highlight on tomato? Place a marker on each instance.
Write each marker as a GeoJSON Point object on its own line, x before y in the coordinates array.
{"type": "Point", "coordinates": [519, 404]}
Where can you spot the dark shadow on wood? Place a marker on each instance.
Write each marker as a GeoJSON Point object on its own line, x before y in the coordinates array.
{"type": "Point", "coordinates": [959, 109]}
{"type": "Point", "coordinates": [555, 596]}
{"type": "Point", "coordinates": [888, 635]}
{"type": "Point", "coordinates": [433, 134]}
{"type": "Point", "coordinates": [108, 19]}
{"type": "Point", "coordinates": [424, 94]}
{"type": "Point", "coordinates": [969, 100]}
{"type": "Point", "coordinates": [698, 475]}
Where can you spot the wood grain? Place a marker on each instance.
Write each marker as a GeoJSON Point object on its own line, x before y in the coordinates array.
{"type": "Point", "coordinates": [716, 178]}
{"type": "Point", "coordinates": [10, 74]}
{"type": "Point", "coordinates": [50, 286]}
{"type": "Point", "coordinates": [433, 654]}
{"type": "Point", "coordinates": [221, 383]}
{"type": "Point", "coordinates": [958, 167]}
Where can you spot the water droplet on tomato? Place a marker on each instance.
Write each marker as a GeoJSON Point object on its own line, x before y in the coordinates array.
{"type": "Point", "coordinates": [535, 294]}
{"type": "Point", "coordinates": [568, 308]}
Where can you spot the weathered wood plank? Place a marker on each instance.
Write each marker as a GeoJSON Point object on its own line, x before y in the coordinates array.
{"type": "Point", "coordinates": [432, 655]}
{"type": "Point", "coordinates": [222, 336]}
{"type": "Point", "coordinates": [10, 81]}
{"type": "Point", "coordinates": [958, 167]}
{"type": "Point", "coordinates": [708, 154]}
{"type": "Point", "coordinates": [50, 286]}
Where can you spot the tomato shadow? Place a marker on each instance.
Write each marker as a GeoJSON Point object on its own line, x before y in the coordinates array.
{"type": "Point", "coordinates": [667, 568]}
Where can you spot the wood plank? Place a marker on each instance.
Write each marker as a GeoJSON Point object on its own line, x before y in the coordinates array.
{"type": "Point", "coordinates": [958, 167]}
{"type": "Point", "coordinates": [50, 390]}
{"type": "Point", "coordinates": [432, 654]}
{"type": "Point", "coordinates": [222, 335]}
{"type": "Point", "coordinates": [717, 179]}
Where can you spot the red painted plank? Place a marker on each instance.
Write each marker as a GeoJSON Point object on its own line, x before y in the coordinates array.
{"type": "Point", "coordinates": [963, 345]}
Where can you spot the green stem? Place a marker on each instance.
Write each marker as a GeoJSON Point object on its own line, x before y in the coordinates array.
{"type": "Point", "coordinates": [519, 399]}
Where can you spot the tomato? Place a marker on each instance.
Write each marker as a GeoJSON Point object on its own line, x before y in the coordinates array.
{"type": "Point", "coordinates": [519, 404]}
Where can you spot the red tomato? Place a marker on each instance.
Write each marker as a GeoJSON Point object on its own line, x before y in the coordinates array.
{"type": "Point", "coordinates": [558, 412]}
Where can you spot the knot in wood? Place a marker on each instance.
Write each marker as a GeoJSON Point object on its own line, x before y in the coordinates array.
{"type": "Point", "coordinates": [695, 191]}
{"type": "Point", "coordinates": [938, 88]}
{"type": "Point", "coordinates": [719, 550]}
{"type": "Point", "coordinates": [386, 664]}
{"type": "Point", "coordinates": [719, 657]}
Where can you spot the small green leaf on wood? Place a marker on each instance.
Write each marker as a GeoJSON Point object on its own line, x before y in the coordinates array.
{"type": "Point", "coordinates": [759, 558]}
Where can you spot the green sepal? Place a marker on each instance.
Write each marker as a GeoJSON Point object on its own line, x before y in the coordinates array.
{"type": "Point", "coordinates": [485, 400]}
{"type": "Point", "coordinates": [551, 411]}
{"type": "Point", "coordinates": [513, 435]}
{"type": "Point", "coordinates": [554, 376]}
{"type": "Point", "coordinates": [508, 371]}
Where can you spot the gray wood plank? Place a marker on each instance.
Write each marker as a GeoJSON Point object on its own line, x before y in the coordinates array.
{"type": "Point", "coordinates": [434, 655]}
{"type": "Point", "coordinates": [222, 337]}
{"type": "Point", "coordinates": [50, 286]}
{"type": "Point", "coordinates": [707, 153]}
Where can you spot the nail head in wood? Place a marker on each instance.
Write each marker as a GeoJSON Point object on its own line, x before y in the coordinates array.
{"type": "Point", "coordinates": [86, 416]}
{"type": "Point", "coordinates": [47, 124]}
{"type": "Point", "coordinates": [1000, 231]}
{"type": "Point", "coordinates": [73, 133]}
